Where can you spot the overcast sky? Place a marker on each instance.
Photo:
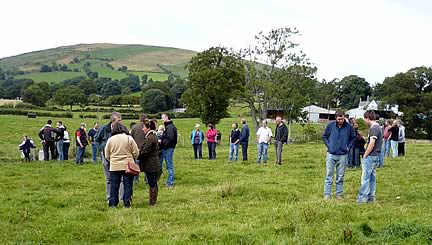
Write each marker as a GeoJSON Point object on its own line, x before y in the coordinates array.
{"type": "Point", "coordinates": [369, 38]}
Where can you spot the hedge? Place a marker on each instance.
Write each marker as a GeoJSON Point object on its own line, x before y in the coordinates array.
{"type": "Point", "coordinates": [4, 111]}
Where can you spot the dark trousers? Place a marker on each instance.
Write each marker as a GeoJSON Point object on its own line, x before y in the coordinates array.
{"type": "Point", "coordinates": [66, 150]}
{"type": "Point", "coordinates": [116, 178]}
{"type": "Point", "coordinates": [80, 154]}
{"type": "Point", "coordinates": [211, 150]}
{"type": "Point", "coordinates": [26, 155]}
{"type": "Point", "coordinates": [244, 151]}
{"type": "Point", "coordinates": [152, 178]}
{"type": "Point", "coordinates": [197, 151]}
{"type": "Point", "coordinates": [401, 148]}
{"type": "Point", "coordinates": [47, 148]}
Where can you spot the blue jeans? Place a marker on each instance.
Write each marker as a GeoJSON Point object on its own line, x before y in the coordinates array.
{"type": "Point", "coordinates": [60, 150]}
{"type": "Point", "coordinates": [211, 150]}
{"type": "Point", "coordinates": [244, 150]}
{"type": "Point", "coordinates": [386, 148]}
{"type": "Point", "coordinates": [340, 162]}
{"type": "Point", "coordinates": [167, 155]}
{"type": "Point", "coordinates": [116, 179]}
{"type": "Point", "coordinates": [233, 152]}
{"type": "Point", "coordinates": [262, 151]}
{"type": "Point", "coordinates": [80, 155]}
{"type": "Point", "coordinates": [351, 157]}
{"type": "Point", "coordinates": [394, 148]}
{"type": "Point", "coordinates": [356, 157]}
{"type": "Point", "coordinates": [368, 181]}
{"type": "Point", "coordinates": [94, 153]}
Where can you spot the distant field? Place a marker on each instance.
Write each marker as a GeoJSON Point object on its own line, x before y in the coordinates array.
{"type": "Point", "coordinates": [9, 102]}
{"type": "Point", "coordinates": [155, 76]}
{"type": "Point", "coordinates": [178, 69]}
{"type": "Point", "coordinates": [55, 76]}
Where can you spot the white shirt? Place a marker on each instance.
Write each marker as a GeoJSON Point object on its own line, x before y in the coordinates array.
{"type": "Point", "coordinates": [264, 135]}
{"type": "Point", "coordinates": [66, 137]}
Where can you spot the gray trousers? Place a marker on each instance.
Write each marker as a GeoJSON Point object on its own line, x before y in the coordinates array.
{"type": "Point", "coordinates": [278, 148]}
{"type": "Point", "coordinates": [106, 167]}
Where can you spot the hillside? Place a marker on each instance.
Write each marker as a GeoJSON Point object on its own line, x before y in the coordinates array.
{"type": "Point", "coordinates": [155, 61]}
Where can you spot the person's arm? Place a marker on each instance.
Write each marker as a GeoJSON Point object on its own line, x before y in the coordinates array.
{"type": "Point", "coordinates": [270, 136]}
{"type": "Point", "coordinates": [108, 150]}
{"type": "Point", "coordinates": [326, 136]}
{"type": "Point", "coordinates": [257, 136]}
{"type": "Point", "coordinates": [134, 147]}
{"type": "Point", "coordinates": [370, 147]}
{"type": "Point", "coordinates": [352, 138]}
{"type": "Point", "coordinates": [41, 134]}
{"type": "Point", "coordinates": [285, 134]}
{"type": "Point", "coordinates": [78, 135]}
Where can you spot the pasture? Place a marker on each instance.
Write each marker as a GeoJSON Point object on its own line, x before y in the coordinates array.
{"type": "Point", "coordinates": [218, 202]}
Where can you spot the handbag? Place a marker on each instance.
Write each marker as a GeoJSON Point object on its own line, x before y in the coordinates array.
{"type": "Point", "coordinates": [132, 168]}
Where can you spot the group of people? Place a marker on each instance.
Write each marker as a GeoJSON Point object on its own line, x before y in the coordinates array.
{"type": "Point", "coordinates": [237, 137]}
{"type": "Point", "coordinates": [341, 136]}
{"type": "Point", "coordinates": [394, 139]}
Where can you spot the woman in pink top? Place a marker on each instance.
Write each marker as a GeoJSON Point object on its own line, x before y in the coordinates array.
{"type": "Point", "coordinates": [211, 141]}
{"type": "Point", "coordinates": [386, 148]}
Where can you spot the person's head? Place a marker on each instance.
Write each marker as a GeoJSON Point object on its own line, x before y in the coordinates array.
{"type": "Point", "coordinates": [264, 123]}
{"type": "Point", "coordinates": [161, 128]}
{"type": "Point", "coordinates": [197, 127]}
{"type": "Point", "coordinates": [49, 122]}
{"type": "Point", "coordinates": [143, 117]}
{"type": "Point", "coordinates": [148, 125]}
{"type": "Point", "coordinates": [210, 126]}
{"type": "Point", "coordinates": [83, 125]}
{"type": "Point", "coordinates": [340, 117]}
{"type": "Point", "coordinates": [243, 121]}
{"type": "Point", "coordinates": [234, 125]}
{"type": "Point", "coordinates": [355, 126]}
{"type": "Point", "coordinates": [119, 128]}
{"type": "Point", "coordinates": [278, 120]}
{"type": "Point", "coordinates": [165, 117]}
{"type": "Point", "coordinates": [132, 124]}
{"type": "Point", "coordinates": [395, 123]}
{"type": "Point", "coordinates": [369, 117]}
{"type": "Point", "coordinates": [96, 125]}
{"type": "Point", "coordinates": [387, 123]}
{"type": "Point", "coordinates": [25, 137]}
{"type": "Point", "coordinates": [352, 120]}
{"type": "Point", "coordinates": [398, 122]}
{"type": "Point", "coordinates": [115, 117]}
{"type": "Point", "coordinates": [59, 124]}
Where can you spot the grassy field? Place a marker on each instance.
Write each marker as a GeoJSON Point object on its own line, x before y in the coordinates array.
{"type": "Point", "coordinates": [56, 76]}
{"type": "Point", "coordinates": [214, 202]}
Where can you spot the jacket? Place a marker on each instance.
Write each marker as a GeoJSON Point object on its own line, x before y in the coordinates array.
{"type": "Point", "coordinates": [138, 134]}
{"type": "Point", "coordinates": [211, 135]}
{"type": "Point", "coordinates": [102, 136]}
{"type": "Point", "coordinates": [281, 133]}
{"type": "Point", "coordinates": [169, 137]}
{"type": "Point", "coordinates": [59, 134]}
{"type": "Point", "coordinates": [82, 135]}
{"type": "Point", "coordinates": [47, 133]}
{"type": "Point", "coordinates": [338, 140]}
{"type": "Point", "coordinates": [149, 153]}
{"type": "Point", "coordinates": [119, 150]}
{"type": "Point", "coordinates": [244, 135]}
{"type": "Point", "coordinates": [201, 137]}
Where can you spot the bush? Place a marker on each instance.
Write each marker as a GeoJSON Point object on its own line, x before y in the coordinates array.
{"type": "Point", "coordinates": [4, 111]}
{"type": "Point", "coordinates": [88, 116]}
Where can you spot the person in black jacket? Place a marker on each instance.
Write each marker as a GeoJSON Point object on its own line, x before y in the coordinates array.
{"type": "Point", "coordinates": [59, 140]}
{"type": "Point", "coordinates": [46, 134]}
{"type": "Point", "coordinates": [26, 146]}
{"type": "Point", "coordinates": [81, 143]}
{"type": "Point", "coordinates": [244, 139]}
{"type": "Point", "coordinates": [234, 142]}
{"type": "Point", "coordinates": [168, 144]}
{"type": "Point", "coordinates": [281, 137]}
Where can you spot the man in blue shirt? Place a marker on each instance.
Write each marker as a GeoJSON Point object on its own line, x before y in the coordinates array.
{"type": "Point", "coordinates": [338, 138]}
{"type": "Point", "coordinates": [244, 139]}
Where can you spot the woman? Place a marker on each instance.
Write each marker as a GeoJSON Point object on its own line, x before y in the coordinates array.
{"type": "Point", "coordinates": [234, 142]}
{"type": "Point", "coordinates": [197, 138]}
{"type": "Point", "coordinates": [394, 138]}
{"type": "Point", "coordinates": [359, 148]}
{"type": "Point", "coordinates": [149, 159]}
{"type": "Point", "coordinates": [211, 141]}
{"type": "Point", "coordinates": [119, 151]}
{"type": "Point", "coordinates": [66, 144]}
{"type": "Point", "coordinates": [26, 146]}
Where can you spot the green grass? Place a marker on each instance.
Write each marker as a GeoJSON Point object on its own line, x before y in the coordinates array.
{"type": "Point", "coordinates": [156, 76]}
{"type": "Point", "coordinates": [213, 202]}
{"type": "Point", "coordinates": [55, 76]}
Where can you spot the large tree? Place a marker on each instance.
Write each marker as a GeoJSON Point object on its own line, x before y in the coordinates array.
{"type": "Point", "coordinates": [153, 101]}
{"type": "Point", "coordinates": [412, 92]}
{"type": "Point", "coordinates": [215, 76]}
{"type": "Point", "coordinates": [71, 95]}
{"type": "Point", "coordinates": [351, 89]}
{"type": "Point", "coordinates": [35, 95]}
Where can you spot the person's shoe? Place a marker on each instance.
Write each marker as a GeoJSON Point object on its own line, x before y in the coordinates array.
{"type": "Point", "coordinates": [169, 186]}
{"type": "Point", "coordinates": [153, 196]}
{"type": "Point", "coordinates": [361, 202]}
{"type": "Point", "coordinates": [327, 197]}
{"type": "Point", "coordinates": [339, 198]}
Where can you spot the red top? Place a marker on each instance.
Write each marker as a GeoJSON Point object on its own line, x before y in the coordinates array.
{"type": "Point", "coordinates": [78, 134]}
{"type": "Point", "coordinates": [211, 135]}
{"type": "Point", "coordinates": [386, 132]}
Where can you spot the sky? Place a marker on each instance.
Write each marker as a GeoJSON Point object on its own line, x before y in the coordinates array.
{"type": "Point", "coordinates": [369, 38]}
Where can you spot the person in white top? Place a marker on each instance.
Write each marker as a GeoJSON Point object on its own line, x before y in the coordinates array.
{"type": "Point", "coordinates": [264, 137]}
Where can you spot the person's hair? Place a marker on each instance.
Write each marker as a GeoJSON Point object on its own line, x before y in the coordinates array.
{"type": "Point", "coordinates": [49, 122]}
{"type": "Point", "coordinates": [167, 115]}
{"type": "Point", "coordinates": [394, 123]}
{"type": "Point", "coordinates": [96, 123]}
{"type": "Point", "coordinates": [210, 126]}
{"type": "Point", "coordinates": [370, 115]}
{"type": "Point", "coordinates": [149, 124]}
{"type": "Point", "coordinates": [143, 117]}
{"type": "Point", "coordinates": [377, 116]}
{"type": "Point", "coordinates": [243, 121]}
{"type": "Point", "coordinates": [132, 124]}
{"type": "Point", "coordinates": [119, 128]}
{"type": "Point", "coordinates": [161, 128]}
{"type": "Point", "coordinates": [65, 128]}
{"type": "Point", "coordinates": [115, 114]}
{"type": "Point", "coordinates": [60, 122]}
{"type": "Point", "coordinates": [388, 122]}
{"type": "Point", "coordinates": [340, 113]}
{"type": "Point", "coordinates": [197, 125]}
{"type": "Point", "coordinates": [83, 125]}
{"type": "Point", "coordinates": [236, 125]}
{"type": "Point", "coordinates": [352, 120]}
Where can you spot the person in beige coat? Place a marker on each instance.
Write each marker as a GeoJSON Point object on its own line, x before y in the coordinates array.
{"type": "Point", "coordinates": [119, 150]}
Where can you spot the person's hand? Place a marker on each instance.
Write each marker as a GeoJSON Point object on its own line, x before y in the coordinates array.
{"type": "Point", "coordinates": [81, 146]}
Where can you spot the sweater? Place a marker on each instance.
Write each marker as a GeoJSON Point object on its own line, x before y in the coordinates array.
{"type": "Point", "coordinates": [211, 135]}
{"type": "Point", "coordinates": [119, 150]}
{"type": "Point", "coordinates": [339, 140]}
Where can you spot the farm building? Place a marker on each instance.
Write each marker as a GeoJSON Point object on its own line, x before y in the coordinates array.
{"type": "Point", "coordinates": [317, 114]}
{"type": "Point", "coordinates": [383, 110]}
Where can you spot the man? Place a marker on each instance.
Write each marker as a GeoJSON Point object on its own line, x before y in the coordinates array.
{"type": "Point", "coordinates": [244, 139]}
{"type": "Point", "coordinates": [281, 137]}
{"type": "Point", "coordinates": [59, 140]}
{"type": "Point", "coordinates": [401, 142]}
{"type": "Point", "coordinates": [338, 137]}
{"type": "Point", "coordinates": [371, 160]}
{"type": "Point", "coordinates": [92, 133]}
{"type": "Point", "coordinates": [234, 141]}
{"type": "Point", "coordinates": [264, 136]}
{"type": "Point", "coordinates": [101, 138]}
{"type": "Point", "coordinates": [168, 143]}
{"type": "Point", "coordinates": [138, 135]}
{"type": "Point", "coordinates": [81, 143]}
{"type": "Point", "coordinates": [46, 134]}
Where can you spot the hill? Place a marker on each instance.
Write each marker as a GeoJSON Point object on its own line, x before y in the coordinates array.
{"type": "Point", "coordinates": [157, 62]}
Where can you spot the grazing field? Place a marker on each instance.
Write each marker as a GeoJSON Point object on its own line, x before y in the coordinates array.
{"type": "Point", "coordinates": [214, 202]}
{"type": "Point", "coordinates": [55, 76]}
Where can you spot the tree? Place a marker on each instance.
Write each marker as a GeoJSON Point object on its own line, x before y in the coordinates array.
{"type": "Point", "coordinates": [111, 87]}
{"type": "Point", "coordinates": [412, 92]}
{"type": "Point", "coordinates": [215, 76]}
{"type": "Point", "coordinates": [131, 82]}
{"type": "Point", "coordinates": [144, 79]}
{"type": "Point", "coordinates": [35, 95]}
{"type": "Point", "coordinates": [123, 68]}
{"type": "Point", "coordinates": [153, 101]}
{"type": "Point", "coordinates": [351, 89]}
{"type": "Point", "coordinates": [88, 86]}
{"type": "Point", "coordinates": [325, 94]}
{"type": "Point", "coordinates": [71, 95]}
{"type": "Point", "coordinates": [45, 68]}
{"type": "Point", "coordinates": [177, 91]}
